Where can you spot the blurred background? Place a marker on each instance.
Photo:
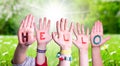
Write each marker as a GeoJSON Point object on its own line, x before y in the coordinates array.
{"type": "Point", "coordinates": [86, 12]}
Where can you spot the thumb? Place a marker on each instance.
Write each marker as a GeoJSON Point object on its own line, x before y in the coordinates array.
{"type": "Point", "coordinates": [104, 40]}
{"type": "Point", "coordinates": [20, 38]}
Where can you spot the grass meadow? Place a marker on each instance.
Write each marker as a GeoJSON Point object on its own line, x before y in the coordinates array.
{"type": "Point", "coordinates": [110, 51]}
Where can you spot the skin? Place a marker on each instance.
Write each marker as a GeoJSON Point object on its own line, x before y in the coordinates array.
{"type": "Point", "coordinates": [60, 37]}
{"type": "Point", "coordinates": [25, 27]}
{"type": "Point", "coordinates": [81, 42]}
{"type": "Point", "coordinates": [97, 30]}
{"type": "Point", "coordinates": [44, 27]}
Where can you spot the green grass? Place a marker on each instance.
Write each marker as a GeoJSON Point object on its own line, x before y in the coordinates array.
{"type": "Point", "coordinates": [110, 55]}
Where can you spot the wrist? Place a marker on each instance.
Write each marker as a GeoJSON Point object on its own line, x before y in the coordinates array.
{"type": "Point", "coordinates": [66, 52]}
{"type": "Point", "coordinates": [83, 51]}
{"type": "Point", "coordinates": [22, 46]}
{"type": "Point", "coordinates": [64, 57]}
{"type": "Point", "coordinates": [41, 46]}
{"type": "Point", "coordinates": [96, 48]}
{"type": "Point", "coordinates": [41, 51]}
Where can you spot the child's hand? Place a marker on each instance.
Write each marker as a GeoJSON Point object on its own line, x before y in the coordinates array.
{"type": "Point", "coordinates": [63, 37]}
{"type": "Point", "coordinates": [42, 34]}
{"type": "Point", "coordinates": [82, 39]}
{"type": "Point", "coordinates": [97, 35]}
{"type": "Point", "coordinates": [26, 31]}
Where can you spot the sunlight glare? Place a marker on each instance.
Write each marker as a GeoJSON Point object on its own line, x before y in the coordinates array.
{"type": "Point", "coordinates": [54, 12]}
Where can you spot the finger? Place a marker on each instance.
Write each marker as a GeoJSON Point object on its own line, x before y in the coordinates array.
{"type": "Point", "coordinates": [40, 24]}
{"type": "Point", "coordinates": [65, 25]}
{"type": "Point", "coordinates": [48, 25]}
{"type": "Point", "coordinates": [83, 32]}
{"type": "Point", "coordinates": [26, 20]}
{"type": "Point", "coordinates": [71, 27]}
{"type": "Point", "coordinates": [95, 27]}
{"type": "Point", "coordinates": [29, 20]}
{"type": "Point", "coordinates": [93, 30]}
{"type": "Point", "coordinates": [58, 27]}
{"type": "Point", "coordinates": [78, 28]}
{"type": "Point", "coordinates": [98, 25]}
{"type": "Point", "coordinates": [62, 24]}
{"type": "Point", "coordinates": [105, 40]}
{"type": "Point", "coordinates": [87, 32]}
{"type": "Point", "coordinates": [44, 22]}
{"type": "Point", "coordinates": [32, 25]}
{"type": "Point", "coordinates": [101, 28]}
{"type": "Point", "coordinates": [32, 22]}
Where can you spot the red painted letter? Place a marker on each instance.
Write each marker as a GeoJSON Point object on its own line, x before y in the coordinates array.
{"type": "Point", "coordinates": [41, 35]}
{"type": "Point", "coordinates": [65, 38]}
{"type": "Point", "coordinates": [83, 41]}
{"type": "Point", "coordinates": [24, 37]}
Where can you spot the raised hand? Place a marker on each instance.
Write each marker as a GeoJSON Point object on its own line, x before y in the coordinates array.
{"type": "Point", "coordinates": [63, 36]}
{"type": "Point", "coordinates": [42, 34]}
{"type": "Point", "coordinates": [97, 35]}
{"type": "Point", "coordinates": [25, 38]}
{"type": "Point", "coordinates": [26, 31]}
{"type": "Point", "coordinates": [82, 39]}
